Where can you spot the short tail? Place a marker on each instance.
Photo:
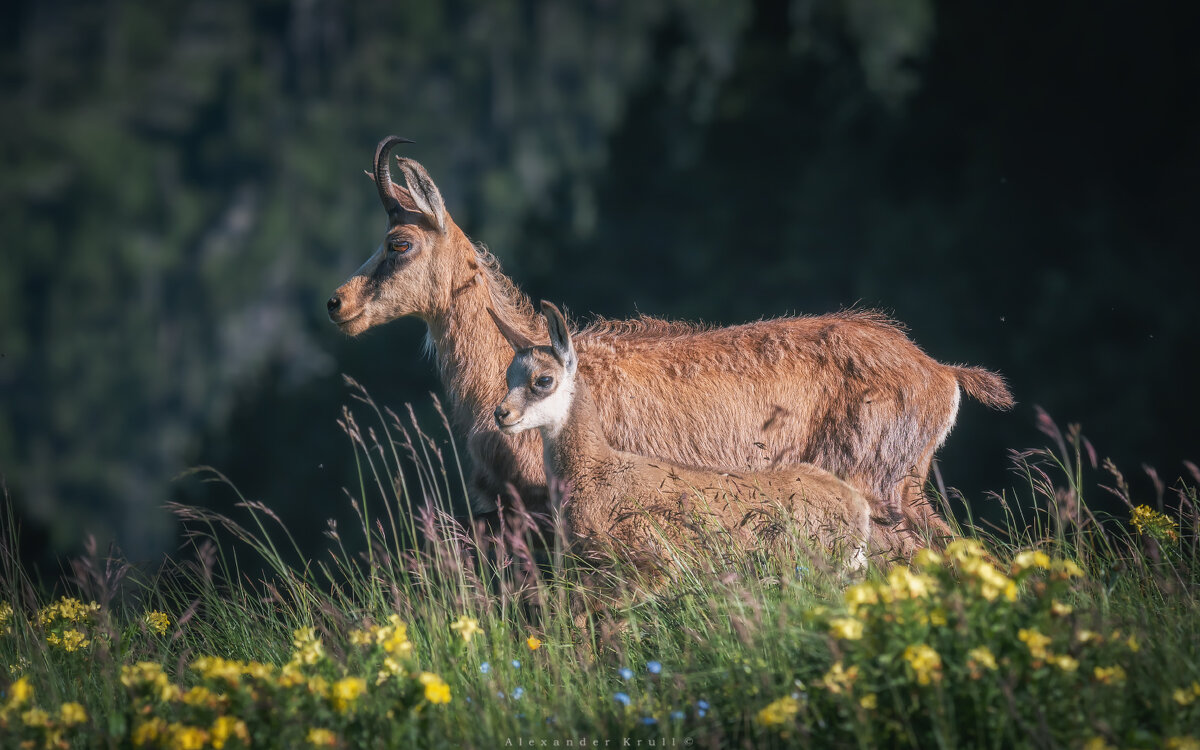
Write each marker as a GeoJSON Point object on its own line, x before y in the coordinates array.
{"type": "Point", "coordinates": [986, 387]}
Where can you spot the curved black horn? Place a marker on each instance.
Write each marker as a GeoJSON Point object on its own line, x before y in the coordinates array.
{"type": "Point", "coordinates": [383, 174]}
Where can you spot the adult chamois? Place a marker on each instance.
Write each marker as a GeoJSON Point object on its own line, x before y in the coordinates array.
{"type": "Point", "coordinates": [848, 392]}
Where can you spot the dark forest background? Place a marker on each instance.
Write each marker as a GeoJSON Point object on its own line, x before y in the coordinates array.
{"type": "Point", "coordinates": [182, 188]}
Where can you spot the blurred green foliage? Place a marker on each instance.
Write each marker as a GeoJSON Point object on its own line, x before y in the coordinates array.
{"type": "Point", "coordinates": [182, 189]}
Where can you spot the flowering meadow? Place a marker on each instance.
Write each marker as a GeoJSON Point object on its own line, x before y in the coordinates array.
{"type": "Point", "coordinates": [1061, 628]}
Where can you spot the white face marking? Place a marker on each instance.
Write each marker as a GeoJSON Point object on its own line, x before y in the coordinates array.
{"type": "Point", "coordinates": [549, 413]}
{"type": "Point", "coordinates": [531, 407]}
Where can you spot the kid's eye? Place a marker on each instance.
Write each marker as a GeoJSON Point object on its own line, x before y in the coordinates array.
{"type": "Point", "coordinates": [400, 246]}
{"type": "Point", "coordinates": [544, 381]}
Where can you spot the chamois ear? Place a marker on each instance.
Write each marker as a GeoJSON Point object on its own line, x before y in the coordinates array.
{"type": "Point", "coordinates": [425, 195]}
{"type": "Point", "coordinates": [514, 337]}
{"type": "Point", "coordinates": [560, 337]}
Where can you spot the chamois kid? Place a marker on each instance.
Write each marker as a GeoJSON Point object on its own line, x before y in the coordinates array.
{"type": "Point", "coordinates": [641, 508]}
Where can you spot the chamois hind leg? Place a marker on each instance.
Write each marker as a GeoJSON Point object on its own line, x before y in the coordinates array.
{"type": "Point", "coordinates": [919, 512]}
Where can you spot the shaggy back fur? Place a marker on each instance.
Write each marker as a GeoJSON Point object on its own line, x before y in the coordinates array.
{"type": "Point", "coordinates": [846, 392]}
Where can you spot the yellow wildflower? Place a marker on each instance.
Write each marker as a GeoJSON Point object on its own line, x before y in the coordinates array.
{"type": "Point", "coordinates": [308, 647]}
{"type": "Point", "coordinates": [148, 732]}
{"type": "Point", "coordinates": [157, 621]}
{"type": "Point", "coordinates": [1064, 662]}
{"type": "Point", "coordinates": [67, 608]}
{"type": "Point", "coordinates": [992, 583]}
{"type": "Point", "coordinates": [391, 667]}
{"type": "Point", "coordinates": [927, 558]}
{"type": "Point", "coordinates": [71, 714]}
{"type": "Point", "coordinates": [925, 662]}
{"type": "Point", "coordinates": [846, 628]}
{"type": "Point", "coordinates": [1151, 523]}
{"type": "Point", "coordinates": [906, 584]}
{"type": "Point", "coordinates": [361, 638]}
{"type": "Point", "coordinates": [35, 717]}
{"type": "Point", "coordinates": [19, 693]}
{"type": "Point", "coordinates": [937, 617]}
{"type": "Point", "coordinates": [1114, 675]}
{"type": "Point", "coordinates": [1036, 642]}
{"type": "Point", "coordinates": [290, 676]}
{"type": "Point", "coordinates": [1087, 636]}
{"type": "Point", "coordinates": [321, 738]}
{"type": "Point", "coordinates": [184, 737]}
{"type": "Point", "coordinates": [869, 701]}
{"type": "Point", "coordinates": [1132, 643]}
{"type": "Point", "coordinates": [149, 674]}
{"type": "Point", "coordinates": [345, 692]}
{"type": "Point", "coordinates": [199, 696]}
{"type": "Point", "coordinates": [839, 679]}
{"type": "Point", "coordinates": [6, 613]}
{"type": "Point", "coordinates": [465, 626]}
{"type": "Point", "coordinates": [859, 595]}
{"type": "Point", "coordinates": [317, 685]}
{"type": "Point", "coordinates": [224, 728]}
{"type": "Point", "coordinates": [1065, 569]}
{"type": "Point", "coordinates": [981, 657]}
{"type": "Point", "coordinates": [1030, 558]}
{"type": "Point", "coordinates": [1181, 743]}
{"type": "Point", "coordinates": [1187, 696]}
{"type": "Point", "coordinates": [70, 640]}
{"type": "Point", "coordinates": [258, 670]}
{"type": "Point", "coordinates": [778, 712]}
{"type": "Point", "coordinates": [436, 689]}
{"type": "Point", "coordinates": [533, 642]}
{"type": "Point", "coordinates": [18, 666]}
{"type": "Point", "coordinates": [961, 550]}
{"type": "Point", "coordinates": [1097, 743]}
{"type": "Point", "coordinates": [1059, 609]}
{"type": "Point", "coordinates": [393, 637]}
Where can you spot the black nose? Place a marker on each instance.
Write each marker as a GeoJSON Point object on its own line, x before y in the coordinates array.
{"type": "Point", "coordinates": [333, 304]}
{"type": "Point", "coordinates": [501, 414]}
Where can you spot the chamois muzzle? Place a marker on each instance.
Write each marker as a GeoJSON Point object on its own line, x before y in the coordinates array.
{"type": "Point", "coordinates": [502, 415]}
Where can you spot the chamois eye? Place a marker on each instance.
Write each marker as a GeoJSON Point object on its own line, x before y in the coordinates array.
{"type": "Point", "coordinates": [400, 246]}
{"type": "Point", "coordinates": [544, 381]}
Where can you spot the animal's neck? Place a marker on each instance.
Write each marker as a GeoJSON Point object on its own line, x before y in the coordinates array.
{"type": "Point", "coordinates": [576, 447]}
{"type": "Point", "coordinates": [472, 355]}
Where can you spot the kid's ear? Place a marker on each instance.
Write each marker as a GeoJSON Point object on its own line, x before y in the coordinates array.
{"type": "Point", "coordinates": [560, 337]}
{"type": "Point", "coordinates": [515, 338]}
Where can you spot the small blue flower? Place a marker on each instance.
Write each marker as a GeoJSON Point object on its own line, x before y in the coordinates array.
{"type": "Point", "coordinates": [500, 694]}
{"type": "Point", "coordinates": [485, 667]}
{"type": "Point", "coordinates": [677, 716]}
{"type": "Point", "coordinates": [516, 664]}
{"type": "Point", "coordinates": [626, 673]}
{"type": "Point", "coordinates": [517, 693]}
{"type": "Point", "coordinates": [622, 698]}
{"type": "Point", "coordinates": [654, 667]}
{"type": "Point", "coordinates": [649, 720]}
{"type": "Point", "coordinates": [702, 705]}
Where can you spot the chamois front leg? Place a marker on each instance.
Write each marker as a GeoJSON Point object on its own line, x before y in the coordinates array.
{"type": "Point", "coordinates": [503, 464]}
